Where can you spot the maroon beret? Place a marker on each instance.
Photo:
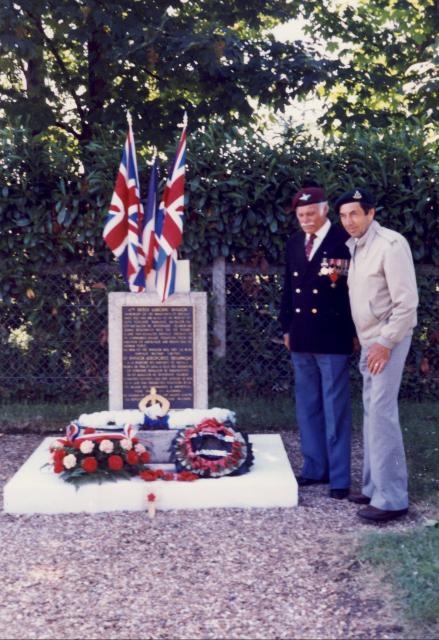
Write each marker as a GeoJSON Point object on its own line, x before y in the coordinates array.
{"type": "Point", "coordinates": [310, 195]}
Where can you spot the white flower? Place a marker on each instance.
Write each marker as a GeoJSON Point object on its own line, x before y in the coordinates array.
{"type": "Point", "coordinates": [106, 446]}
{"type": "Point", "coordinates": [69, 461]}
{"type": "Point", "coordinates": [139, 448]}
{"type": "Point", "coordinates": [87, 446]}
{"type": "Point", "coordinates": [126, 444]}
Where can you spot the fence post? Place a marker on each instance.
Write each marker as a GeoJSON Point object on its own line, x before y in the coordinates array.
{"type": "Point", "coordinates": [219, 310]}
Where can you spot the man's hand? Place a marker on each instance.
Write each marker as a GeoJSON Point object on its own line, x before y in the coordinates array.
{"type": "Point", "coordinates": [377, 358]}
{"type": "Point", "coordinates": [287, 340]}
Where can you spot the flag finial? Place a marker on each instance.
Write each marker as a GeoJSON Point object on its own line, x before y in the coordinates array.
{"type": "Point", "coordinates": [185, 119]}
{"type": "Point", "coordinates": [129, 119]}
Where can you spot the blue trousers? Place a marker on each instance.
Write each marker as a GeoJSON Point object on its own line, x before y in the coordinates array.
{"type": "Point", "coordinates": [323, 411]}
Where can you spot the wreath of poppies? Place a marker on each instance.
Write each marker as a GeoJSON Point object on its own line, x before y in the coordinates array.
{"type": "Point", "coordinates": [212, 450]}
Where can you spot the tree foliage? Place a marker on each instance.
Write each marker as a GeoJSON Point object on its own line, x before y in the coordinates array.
{"type": "Point", "coordinates": [79, 66]}
{"type": "Point", "coordinates": [390, 55]}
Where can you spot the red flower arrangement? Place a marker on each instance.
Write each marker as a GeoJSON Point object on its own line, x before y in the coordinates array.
{"type": "Point", "coordinates": [97, 457]}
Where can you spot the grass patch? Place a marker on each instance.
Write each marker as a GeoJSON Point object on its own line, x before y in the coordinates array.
{"type": "Point", "coordinates": [44, 416]}
{"type": "Point", "coordinates": [420, 427]}
{"type": "Point", "coordinates": [260, 413]}
{"type": "Point", "coordinates": [411, 560]}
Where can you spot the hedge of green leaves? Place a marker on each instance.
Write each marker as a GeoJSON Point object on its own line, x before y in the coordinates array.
{"type": "Point", "coordinates": [53, 201]}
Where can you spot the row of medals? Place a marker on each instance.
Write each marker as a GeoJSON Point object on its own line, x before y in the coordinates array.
{"type": "Point", "coordinates": [334, 268]}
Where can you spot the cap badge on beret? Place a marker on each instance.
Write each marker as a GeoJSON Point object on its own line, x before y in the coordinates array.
{"type": "Point", "coordinates": [357, 195]}
{"type": "Point", "coordinates": [307, 196]}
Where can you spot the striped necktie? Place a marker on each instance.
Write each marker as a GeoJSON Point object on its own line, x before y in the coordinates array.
{"type": "Point", "coordinates": [309, 244]}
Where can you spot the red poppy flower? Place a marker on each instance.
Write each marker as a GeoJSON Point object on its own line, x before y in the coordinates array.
{"type": "Point", "coordinates": [187, 476]}
{"type": "Point", "coordinates": [167, 476]}
{"type": "Point", "coordinates": [132, 457]}
{"type": "Point", "coordinates": [89, 464]}
{"type": "Point", "coordinates": [148, 475]}
{"type": "Point", "coordinates": [209, 423]}
{"type": "Point", "coordinates": [58, 454]}
{"type": "Point", "coordinates": [145, 457]}
{"type": "Point", "coordinates": [115, 463]}
{"type": "Point", "coordinates": [58, 466]}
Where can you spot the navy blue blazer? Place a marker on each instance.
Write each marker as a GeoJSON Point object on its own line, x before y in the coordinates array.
{"type": "Point", "coordinates": [315, 303]}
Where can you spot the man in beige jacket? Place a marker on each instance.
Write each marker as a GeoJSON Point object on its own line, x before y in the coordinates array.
{"type": "Point", "coordinates": [383, 298]}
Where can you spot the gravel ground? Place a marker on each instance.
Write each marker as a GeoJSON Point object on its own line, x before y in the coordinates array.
{"type": "Point", "coordinates": [219, 573]}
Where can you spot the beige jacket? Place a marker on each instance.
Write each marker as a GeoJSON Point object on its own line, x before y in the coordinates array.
{"type": "Point", "coordinates": [382, 286]}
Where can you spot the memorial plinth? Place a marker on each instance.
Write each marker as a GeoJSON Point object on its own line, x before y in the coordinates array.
{"type": "Point", "coordinates": [161, 345]}
{"type": "Point", "coordinates": [270, 483]}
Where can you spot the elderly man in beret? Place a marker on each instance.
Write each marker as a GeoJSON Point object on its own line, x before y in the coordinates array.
{"type": "Point", "coordinates": [318, 330]}
{"type": "Point", "coordinates": [384, 298]}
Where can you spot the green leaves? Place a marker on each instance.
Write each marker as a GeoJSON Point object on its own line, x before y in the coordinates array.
{"type": "Point", "coordinates": [206, 57]}
{"type": "Point", "coordinates": [390, 54]}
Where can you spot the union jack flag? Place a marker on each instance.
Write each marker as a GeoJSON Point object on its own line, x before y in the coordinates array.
{"type": "Point", "coordinates": [125, 217]}
{"type": "Point", "coordinates": [147, 232]}
{"type": "Point", "coordinates": [169, 223]}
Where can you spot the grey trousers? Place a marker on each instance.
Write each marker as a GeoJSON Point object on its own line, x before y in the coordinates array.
{"type": "Point", "coordinates": [384, 467]}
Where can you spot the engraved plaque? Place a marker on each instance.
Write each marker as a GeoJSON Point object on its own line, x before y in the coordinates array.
{"type": "Point", "coordinates": [158, 351]}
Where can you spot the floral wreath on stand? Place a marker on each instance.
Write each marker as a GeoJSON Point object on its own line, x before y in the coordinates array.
{"type": "Point", "coordinates": [212, 450]}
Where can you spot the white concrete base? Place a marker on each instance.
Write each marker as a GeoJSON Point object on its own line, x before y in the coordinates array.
{"type": "Point", "coordinates": [270, 483]}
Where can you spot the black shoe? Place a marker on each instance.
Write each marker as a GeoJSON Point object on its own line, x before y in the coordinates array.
{"type": "Point", "coordinates": [339, 494]}
{"type": "Point", "coordinates": [305, 482]}
{"type": "Point", "coordinates": [359, 498]}
{"type": "Point", "coordinates": [372, 514]}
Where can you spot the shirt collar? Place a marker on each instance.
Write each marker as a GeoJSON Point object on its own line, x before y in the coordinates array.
{"type": "Point", "coordinates": [353, 243]}
{"type": "Point", "coordinates": [321, 233]}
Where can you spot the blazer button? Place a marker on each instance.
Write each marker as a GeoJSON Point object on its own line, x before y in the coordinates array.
{"type": "Point", "coordinates": [298, 310]}
{"type": "Point", "coordinates": [314, 310]}
{"type": "Point", "coordinates": [298, 290]}
{"type": "Point", "coordinates": [315, 290]}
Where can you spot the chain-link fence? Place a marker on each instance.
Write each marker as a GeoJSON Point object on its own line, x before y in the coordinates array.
{"type": "Point", "coordinates": [256, 361]}
{"type": "Point", "coordinates": [55, 340]}
{"type": "Point", "coordinates": [54, 336]}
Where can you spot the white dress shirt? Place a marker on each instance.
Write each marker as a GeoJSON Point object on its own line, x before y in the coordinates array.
{"type": "Point", "coordinates": [320, 236]}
